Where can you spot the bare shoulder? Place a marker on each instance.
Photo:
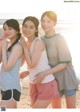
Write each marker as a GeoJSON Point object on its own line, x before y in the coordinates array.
{"type": "Point", "coordinates": [18, 47]}
{"type": "Point", "coordinates": [39, 42]}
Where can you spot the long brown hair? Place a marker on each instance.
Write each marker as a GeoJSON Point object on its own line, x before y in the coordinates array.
{"type": "Point", "coordinates": [34, 20]}
{"type": "Point", "coordinates": [15, 25]}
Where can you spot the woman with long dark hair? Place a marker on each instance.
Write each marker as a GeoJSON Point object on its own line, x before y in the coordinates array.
{"type": "Point", "coordinates": [35, 54]}
{"type": "Point", "coordinates": [12, 53]}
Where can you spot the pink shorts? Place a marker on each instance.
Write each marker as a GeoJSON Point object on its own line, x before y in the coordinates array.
{"type": "Point", "coordinates": [44, 91]}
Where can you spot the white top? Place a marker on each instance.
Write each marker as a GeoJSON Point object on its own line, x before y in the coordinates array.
{"type": "Point", "coordinates": [41, 66]}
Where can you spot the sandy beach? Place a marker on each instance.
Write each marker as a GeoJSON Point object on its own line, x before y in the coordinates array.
{"type": "Point", "coordinates": [25, 99]}
{"type": "Point", "coordinates": [24, 102]}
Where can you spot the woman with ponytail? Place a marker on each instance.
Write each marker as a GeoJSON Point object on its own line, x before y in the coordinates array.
{"type": "Point", "coordinates": [12, 53]}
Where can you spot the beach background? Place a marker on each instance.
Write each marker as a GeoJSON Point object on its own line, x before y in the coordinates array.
{"type": "Point", "coordinates": [68, 25]}
{"type": "Point", "coordinates": [63, 27]}
{"type": "Point", "coordinates": [25, 99]}
{"type": "Point", "coordinates": [24, 102]}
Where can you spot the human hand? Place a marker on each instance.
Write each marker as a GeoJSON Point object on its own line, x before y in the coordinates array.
{"type": "Point", "coordinates": [3, 37]}
{"type": "Point", "coordinates": [39, 78]}
{"type": "Point", "coordinates": [4, 44]}
{"type": "Point", "coordinates": [23, 42]}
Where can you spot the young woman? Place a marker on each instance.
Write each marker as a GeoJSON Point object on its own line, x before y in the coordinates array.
{"type": "Point", "coordinates": [60, 61]}
{"type": "Point", "coordinates": [12, 52]}
{"type": "Point", "coordinates": [36, 58]}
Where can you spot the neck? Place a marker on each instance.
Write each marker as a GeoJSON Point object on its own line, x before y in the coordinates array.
{"type": "Point", "coordinates": [12, 40]}
{"type": "Point", "coordinates": [30, 40]}
{"type": "Point", "coordinates": [50, 33]}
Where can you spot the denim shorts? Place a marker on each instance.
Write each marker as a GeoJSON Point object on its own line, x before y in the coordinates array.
{"type": "Point", "coordinates": [68, 92]}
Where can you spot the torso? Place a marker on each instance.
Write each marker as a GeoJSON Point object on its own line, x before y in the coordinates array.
{"type": "Point", "coordinates": [11, 79]}
{"type": "Point", "coordinates": [56, 53]}
{"type": "Point", "coordinates": [42, 66]}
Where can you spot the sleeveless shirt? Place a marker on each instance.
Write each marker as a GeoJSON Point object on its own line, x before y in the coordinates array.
{"type": "Point", "coordinates": [41, 66]}
{"type": "Point", "coordinates": [11, 79]}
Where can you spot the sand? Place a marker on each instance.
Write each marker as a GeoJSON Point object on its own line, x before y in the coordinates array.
{"type": "Point", "coordinates": [24, 103]}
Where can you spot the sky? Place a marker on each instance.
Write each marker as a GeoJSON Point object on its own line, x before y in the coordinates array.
{"type": "Point", "coordinates": [22, 8]}
{"type": "Point", "coordinates": [68, 12]}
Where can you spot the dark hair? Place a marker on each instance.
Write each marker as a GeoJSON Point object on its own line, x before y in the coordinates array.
{"type": "Point", "coordinates": [50, 14]}
{"type": "Point", "coordinates": [34, 20]}
{"type": "Point", "coordinates": [15, 25]}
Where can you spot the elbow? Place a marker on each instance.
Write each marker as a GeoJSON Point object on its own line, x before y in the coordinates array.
{"type": "Point", "coordinates": [6, 69]}
{"type": "Point", "coordinates": [32, 66]}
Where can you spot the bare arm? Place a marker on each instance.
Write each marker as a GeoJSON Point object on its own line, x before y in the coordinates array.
{"type": "Point", "coordinates": [33, 60]}
{"type": "Point", "coordinates": [23, 60]}
{"type": "Point", "coordinates": [40, 76]}
{"type": "Point", "coordinates": [62, 57]}
{"type": "Point", "coordinates": [16, 52]}
{"type": "Point", "coordinates": [57, 68]}
{"type": "Point", "coordinates": [24, 74]}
